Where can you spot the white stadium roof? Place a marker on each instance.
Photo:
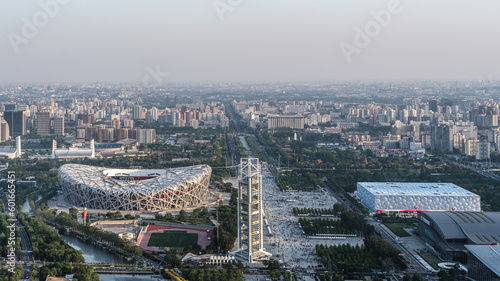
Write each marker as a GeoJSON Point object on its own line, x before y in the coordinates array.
{"type": "Point", "coordinates": [404, 196]}
{"type": "Point", "coordinates": [101, 177]}
{"type": "Point", "coordinates": [414, 188]}
{"type": "Point", "coordinates": [132, 172]}
{"type": "Point", "coordinates": [133, 189]}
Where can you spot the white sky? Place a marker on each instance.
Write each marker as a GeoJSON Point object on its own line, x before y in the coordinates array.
{"type": "Point", "coordinates": [271, 40]}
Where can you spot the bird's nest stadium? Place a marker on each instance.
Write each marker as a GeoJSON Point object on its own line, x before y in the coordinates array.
{"type": "Point", "coordinates": [134, 189]}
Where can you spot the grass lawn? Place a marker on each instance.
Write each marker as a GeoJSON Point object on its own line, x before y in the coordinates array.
{"type": "Point", "coordinates": [173, 239]}
{"type": "Point", "coordinates": [431, 259]}
{"type": "Point", "coordinates": [398, 228]}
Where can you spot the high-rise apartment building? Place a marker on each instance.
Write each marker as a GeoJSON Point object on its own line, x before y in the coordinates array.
{"type": "Point", "coordinates": [84, 118]}
{"type": "Point", "coordinates": [446, 137]}
{"type": "Point", "coordinates": [4, 130]}
{"type": "Point", "coordinates": [136, 112]}
{"type": "Point", "coordinates": [106, 135]}
{"type": "Point", "coordinates": [115, 123]}
{"type": "Point", "coordinates": [442, 138]}
{"type": "Point", "coordinates": [482, 150]}
{"type": "Point", "coordinates": [59, 126]}
{"type": "Point", "coordinates": [154, 113]}
{"type": "Point", "coordinates": [285, 121]}
{"type": "Point", "coordinates": [470, 147]}
{"type": "Point", "coordinates": [43, 123]}
{"type": "Point", "coordinates": [146, 136]}
{"type": "Point", "coordinates": [17, 121]}
{"type": "Point", "coordinates": [128, 123]}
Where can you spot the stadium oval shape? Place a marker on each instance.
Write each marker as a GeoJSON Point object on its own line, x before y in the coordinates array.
{"type": "Point", "coordinates": [134, 189]}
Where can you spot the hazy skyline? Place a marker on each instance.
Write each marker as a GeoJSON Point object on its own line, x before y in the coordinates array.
{"type": "Point", "coordinates": [119, 40]}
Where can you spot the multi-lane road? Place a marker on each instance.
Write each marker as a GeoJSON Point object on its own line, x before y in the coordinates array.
{"type": "Point", "coordinates": [271, 161]}
{"type": "Point", "coordinates": [27, 250]}
{"type": "Point", "coordinates": [477, 170]}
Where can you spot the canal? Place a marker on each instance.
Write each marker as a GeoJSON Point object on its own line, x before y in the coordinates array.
{"type": "Point", "coordinates": [95, 254]}
{"type": "Point", "coordinates": [92, 253]}
{"type": "Point", "coordinates": [26, 204]}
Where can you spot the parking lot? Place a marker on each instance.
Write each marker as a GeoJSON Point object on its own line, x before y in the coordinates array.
{"type": "Point", "coordinates": [288, 243]}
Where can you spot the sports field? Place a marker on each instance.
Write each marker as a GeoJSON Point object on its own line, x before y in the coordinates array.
{"type": "Point", "coordinates": [178, 240]}
{"type": "Point", "coordinates": [173, 239]}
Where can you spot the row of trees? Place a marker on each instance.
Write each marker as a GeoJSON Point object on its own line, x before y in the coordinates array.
{"type": "Point", "coordinates": [212, 275]}
{"type": "Point", "coordinates": [348, 258]}
{"type": "Point", "coordinates": [199, 215]}
{"type": "Point", "coordinates": [47, 243]}
{"type": "Point", "coordinates": [272, 148]}
{"type": "Point", "coordinates": [374, 254]}
{"type": "Point", "coordinates": [172, 274]}
{"type": "Point", "coordinates": [5, 234]}
{"type": "Point", "coordinates": [240, 147]}
{"type": "Point", "coordinates": [324, 226]}
{"type": "Point", "coordinates": [304, 181]}
{"type": "Point", "coordinates": [312, 211]}
{"type": "Point", "coordinates": [350, 222]}
{"type": "Point", "coordinates": [45, 172]}
{"type": "Point", "coordinates": [330, 277]}
{"type": "Point", "coordinates": [336, 210]}
{"type": "Point", "coordinates": [379, 247]}
{"type": "Point", "coordinates": [225, 235]}
{"type": "Point", "coordinates": [253, 148]}
{"type": "Point", "coordinates": [6, 275]}
{"type": "Point", "coordinates": [340, 189]}
{"type": "Point", "coordinates": [81, 272]}
{"type": "Point", "coordinates": [65, 219]}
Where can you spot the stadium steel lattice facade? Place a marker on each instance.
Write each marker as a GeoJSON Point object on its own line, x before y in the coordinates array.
{"type": "Point", "coordinates": [134, 189]}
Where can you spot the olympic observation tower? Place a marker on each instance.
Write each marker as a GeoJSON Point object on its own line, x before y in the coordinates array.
{"type": "Point", "coordinates": [250, 213]}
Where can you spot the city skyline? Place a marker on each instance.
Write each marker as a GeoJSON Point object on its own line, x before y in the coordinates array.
{"type": "Point", "coordinates": [238, 140]}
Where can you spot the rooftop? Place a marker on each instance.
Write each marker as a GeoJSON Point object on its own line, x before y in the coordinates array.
{"type": "Point", "coordinates": [478, 227]}
{"type": "Point", "coordinates": [285, 116]}
{"type": "Point", "coordinates": [133, 172]}
{"type": "Point", "coordinates": [7, 149]}
{"type": "Point", "coordinates": [110, 179]}
{"type": "Point", "coordinates": [73, 152]}
{"type": "Point", "coordinates": [415, 188]}
{"type": "Point", "coordinates": [488, 255]}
